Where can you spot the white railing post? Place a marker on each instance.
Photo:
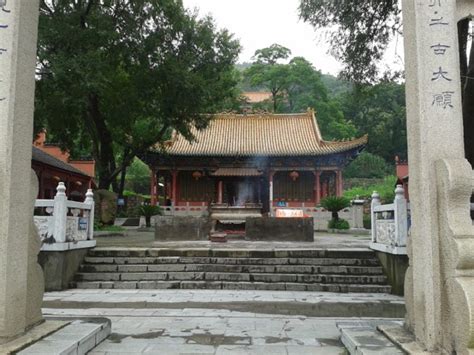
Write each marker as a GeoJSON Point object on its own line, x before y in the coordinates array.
{"type": "Point", "coordinates": [90, 201]}
{"type": "Point", "coordinates": [60, 214]}
{"type": "Point", "coordinates": [358, 212]}
{"type": "Point", "coordinates": [401, 217]}
{"type": "Point", "coordinates": [375, 202]}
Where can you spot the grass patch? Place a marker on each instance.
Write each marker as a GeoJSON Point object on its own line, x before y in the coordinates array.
{"type": "Point", "coordinates": [386, 190]}
{"type": "Point", "coordinates": [109, 229]}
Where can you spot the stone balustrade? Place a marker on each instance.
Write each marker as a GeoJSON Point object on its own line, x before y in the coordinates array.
{"type": "Point", "coordinates": [390, 224]}
{"type": "Point", "coordinates": [63, 224]}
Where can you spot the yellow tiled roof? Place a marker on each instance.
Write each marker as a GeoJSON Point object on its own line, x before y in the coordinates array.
{"type": "Point", "coordinates": [260, 135]}
{"type": "Point", "coordinates": [254, 97]}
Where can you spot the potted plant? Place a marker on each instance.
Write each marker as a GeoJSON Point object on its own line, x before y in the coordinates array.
{"type": "Point", "coordinates": [334, 204]}
{"type": "Point", "coordinates": [148, 211]}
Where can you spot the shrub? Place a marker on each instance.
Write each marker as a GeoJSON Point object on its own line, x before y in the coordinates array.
{"type": "Point", "coordinates": [148, 211]}
{"type": "Point", "coordinates": [338, 224]}
{"type": "Point", "coordinates": [367, 221]}
{"type": "Point", "coordinates": [334, 204]}
{"type": "Point", "coordinates": [368, 165]}
{"type": "Point", "coordinates": [386, 190]}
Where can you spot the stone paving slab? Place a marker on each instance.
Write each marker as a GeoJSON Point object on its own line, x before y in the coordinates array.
{"type": "Point", "coordinates": [363, 338]}
{"type": "Point", "coordinates": [320, 304]}
{"type": "Point", "coordinates": [212, 331]}
{"type": "Point", "coordinates": [77, 338]}
{"type": "Point", "coordinates": [33, 335]}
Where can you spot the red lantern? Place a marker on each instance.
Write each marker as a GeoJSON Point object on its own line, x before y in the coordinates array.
{"type": "Point", "coordinates": [294, 175]}
{"type": "Point", "coordinates": [197, 175]}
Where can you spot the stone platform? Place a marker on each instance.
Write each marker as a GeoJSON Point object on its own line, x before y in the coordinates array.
{"type": "Point", "coordinates": [146, 238]}
{"type": "Point", "coordinates": [314, 304]}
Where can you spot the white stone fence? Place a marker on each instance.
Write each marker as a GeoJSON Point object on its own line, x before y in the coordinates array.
{"type": "Point", "coordinates": [390, 224]}
{"type": "Point", "coordinates": [64, 224]}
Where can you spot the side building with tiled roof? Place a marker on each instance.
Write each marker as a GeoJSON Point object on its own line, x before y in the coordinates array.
{"type": "Point", "coordinates": [272, 159]}
{"type": "Point", "coordinates": [52, 165]}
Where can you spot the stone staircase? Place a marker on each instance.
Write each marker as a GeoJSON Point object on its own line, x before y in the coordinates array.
{"type": "Point", "coordinates": [348, 270]}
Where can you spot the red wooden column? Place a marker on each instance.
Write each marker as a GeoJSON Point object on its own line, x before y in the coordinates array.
{"type": "Point", "coordinates": [153, 187]}
{"type": "Point", "coordinates": [339, 184]}
{"type": "Point", "coordinates": [324, 188]}
{"type": "Point", "coordinates": [174, 175]}
{"type": "Point", "coordinates": [157, 187]}
{"type": "Point", "coordinates": [220, 191]}
{"type": "Point", "coordinates": [317, 187]}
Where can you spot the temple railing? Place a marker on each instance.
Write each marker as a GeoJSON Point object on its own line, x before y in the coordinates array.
{"type": "Point", "coordinates": [390, 223]}
{"type": "Point", "coordinates": [64, 224]}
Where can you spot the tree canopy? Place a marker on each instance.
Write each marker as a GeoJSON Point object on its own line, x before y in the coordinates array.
{"type": "Point", "coordinates": [379, 110]}
{"type": "Point", "coordinates": [360, 33]}
{"type": "Point", "coordinates": [115, 77]}
{"type": "Point", "coordinates": [296, 86]}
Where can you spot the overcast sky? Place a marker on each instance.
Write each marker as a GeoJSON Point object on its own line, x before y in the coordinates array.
{"type": "Point", "coordinates": [260, 23]}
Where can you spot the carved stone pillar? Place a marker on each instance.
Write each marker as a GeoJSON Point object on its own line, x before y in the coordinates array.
{"type": "Point", "coordinates": [439, 282]}
{"type": "Point", "coordinates": [21, 280]}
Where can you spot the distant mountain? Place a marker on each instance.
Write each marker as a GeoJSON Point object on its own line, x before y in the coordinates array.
{"type": "Point", "coordinates": [242, 66]}
{"type": "Point", "coordinates": [335, 85]}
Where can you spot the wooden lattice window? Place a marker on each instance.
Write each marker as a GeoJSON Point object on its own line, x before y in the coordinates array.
{"type": "Point", "coordinates": [286, 188]}
{"type": "Point", "coordinates": [195, 190]}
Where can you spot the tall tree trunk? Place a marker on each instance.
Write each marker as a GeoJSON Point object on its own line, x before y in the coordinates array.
{"type": "Point", "coordinates": [468, 108]}
{"type": "Point", "coordinates": [105, 159]}
{"type": "Point", "coordinates": [123, 173]}
{"type": "Point", "coordinates": [467, 88]}
{"type": "Point", "coordinates": [274, 98]}
{"type": "Point", "coordinates": [463, 33]}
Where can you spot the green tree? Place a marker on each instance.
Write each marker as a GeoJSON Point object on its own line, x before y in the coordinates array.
{"type": "Point", "coordinates": [379, 111]}
{"type": "Point", "coordinates": [360, 33]}
{"type": "Point", "coordinates": [267, 72]}
{"type": "Point", "coordinates": [304, 85]}
{"type": "Point", "coordinates": [297, 86]}
{"type": "Point", "coordinates": [115, 77]}
{"type": "Point", "coordinates": [368, 165]}
{"type": "Point", "coordinates": [138, 177]}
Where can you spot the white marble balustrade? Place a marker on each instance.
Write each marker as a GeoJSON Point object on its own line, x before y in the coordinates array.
{"type": "Point", "coordinates": [65, 224]}
{"type": "Point", "coordinates": [390, 223]}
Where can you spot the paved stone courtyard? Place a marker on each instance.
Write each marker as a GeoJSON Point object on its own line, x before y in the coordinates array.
{"type": "Point", "coordinates": [211, 331]}
{"type": "Point", "coordinates": [135, 238]}
{"type": "Point", "coordinates": [217, 321]}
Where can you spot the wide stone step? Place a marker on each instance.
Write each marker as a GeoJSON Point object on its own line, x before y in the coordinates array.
{"type": "Point", "coordinates": [233, 253]}
{"type": "Point", "coordinates": [283, 269]}
{"type": "Point", "coordinates": [233, 285]}
{"type": "Point", "coordinates": [229, 276]}
{"type": "Point", "coordinates": [366, 340]}
{"type": "Point", "coordinates": [78, 337]}
{"type": "Point", "coordinates": [233, 261]}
